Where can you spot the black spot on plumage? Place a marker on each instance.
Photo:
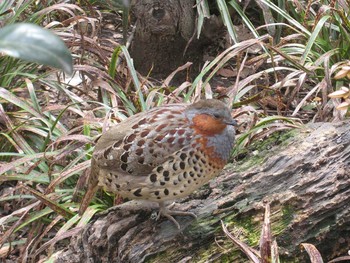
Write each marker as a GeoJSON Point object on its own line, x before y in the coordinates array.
{"type": "Point", "coordinates": [138, 192]}
{"type": "Point", "coordinates": [174, 193]}
{"type": "Point", "coordinates": [158, 197]}
{"type": "Point", "coordinates": [124, 166]}
{"type": "Point", "coordinates": [189, 181]}
{"type": "Point", "coordinates": [174, 167]}
{"type": "Point", "coordinates": [176, 112]}
{"type": "Point", "coordinates": [181, 141]}
{"type": "Point", "coordinates": [130, 138]}
{"type": "Point", "coordinates": [162, 183]}
{"type": "Point", "coordinates": [183, 156]}
{"type": "Point", "coordinates": [172, 132]}
{"type": "Point", "coordinates": [166, 173]}
{"type": "Point", "coordinates": [175, 183]}
{"type": "Point", "coordinates": [106, 152]}
{"type": "Point", "coordinates": [203, 161]}
{"type": "Point", "coordinates": [141, 122]}
{"type": "Point", "coordinates": [159, 169]}
{"type": "Point", "coordinates": [124, 157]}
{"type": "Point", "coordinates": [166, 191]}
{"type": "Point", "coordinates": [153, 178]}
{"type": "Point", "coordinates": [171, 140]}
{"type": "Point", "coordinates": [160, 127]}
{"type": "Point", "coordinates": [191, 174]}
{"type": "Point", "coordinates": [181, 132]}
{"type": "Point", "coordinates": [167, 179]}
{"type": "Point", "coordinates": [141, 160]}
{"type": "Point", "coordinates": [185, 175]}
{"type": "Point", "coordinates": [141, 142]}
{"type": "Point", "coordinates": [159, 138]}
{"type": "Point", "coordinates": [159, 112]}
{"type": "Point", "coordinates": [117, 144]}
{"type": "Point", "coordinates": [117, 185]}
{"type": "Point", "coordinates": [182, 165]}
{"type": "Point", "coordinates": [156, 192]}
{"type": "Point", "coordinates": [126, 147]}
{"type": "Point", "coordinates": [109, 179]}
{"type": "Point", "coordinates": [144, 133]}
{"type": "Point", "coordinates": [135, 126]}
{"type": "Point", "coordinates": [139, 151]}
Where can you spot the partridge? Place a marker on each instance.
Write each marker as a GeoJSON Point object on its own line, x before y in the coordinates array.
{"type": "Point", "coordinates": [163, 154]}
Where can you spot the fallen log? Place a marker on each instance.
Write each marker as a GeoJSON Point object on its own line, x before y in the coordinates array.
{"type": "Point", "coordinates": [305, 179]}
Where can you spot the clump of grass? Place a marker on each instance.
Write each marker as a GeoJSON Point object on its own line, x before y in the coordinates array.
{"type": "Point", "coordinates": [50, 121]}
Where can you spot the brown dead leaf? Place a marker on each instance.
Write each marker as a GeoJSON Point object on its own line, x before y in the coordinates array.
{"type": "Point", "coordinates": [314, 254]}
{"type": "Point", "coordinates": [227, 73]}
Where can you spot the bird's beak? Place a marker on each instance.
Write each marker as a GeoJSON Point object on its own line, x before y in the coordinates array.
{"type": "Point", "coordinates": [231, 122]}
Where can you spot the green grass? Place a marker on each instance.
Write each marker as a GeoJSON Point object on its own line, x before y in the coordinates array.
{"type": "Point", "coordinates": [50, 121]}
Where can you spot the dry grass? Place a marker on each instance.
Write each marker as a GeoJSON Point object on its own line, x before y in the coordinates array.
{"type": "Point", "coordinates": [50, 121]}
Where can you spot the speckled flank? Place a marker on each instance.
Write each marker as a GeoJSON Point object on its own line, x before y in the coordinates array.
{"type": "Point", "coordinates": [166, 153]}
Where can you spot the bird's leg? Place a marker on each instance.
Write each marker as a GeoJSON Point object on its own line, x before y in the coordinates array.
{"type": "Point", "coordinates": [165, 211]}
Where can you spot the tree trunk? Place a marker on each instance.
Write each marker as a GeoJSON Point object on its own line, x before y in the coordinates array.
{"type": "Point", "coordinates": [163, 31]}
{"type": "Point", "coordinates": [306, 180]}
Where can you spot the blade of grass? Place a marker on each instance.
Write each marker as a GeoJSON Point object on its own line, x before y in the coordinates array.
{"type": "Point", "coordinates": [28, 158]}
{"type": "Point", "coordinates": [245, 19]}
{"type": "Point", "coordinates": [203, 12]}
{"type": "Point", "coordinates": [248, 251]}
{"type": "Point", "coordinates": [286, 16]}
{"type": "Point", "coordinates": [225, 15]}
{"type": "Point", "coordinates": [266, 237]}
{"type": "Point", "coordinates": [313, 37]}
{"type": "Point", "coordinates": [314, 254]}
{"type": "Point", "coordinates": [135, 79]}
{"type": "Point", "coordinates": [59, 209]}
{"type": "Point", "coordinates": [35, 216]}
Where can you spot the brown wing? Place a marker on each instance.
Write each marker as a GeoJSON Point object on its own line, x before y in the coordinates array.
{"type": "Point", "coordinates": [143, 141]}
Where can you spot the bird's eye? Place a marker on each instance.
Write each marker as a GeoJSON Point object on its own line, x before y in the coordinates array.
{"type": "Point", "coordinates": [216, 116]}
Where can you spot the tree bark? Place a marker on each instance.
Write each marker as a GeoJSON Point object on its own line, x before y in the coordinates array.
{"type": "Point", "coordinates": [306, 180]}
{"type": "Point", "coordinates": [163, 36]}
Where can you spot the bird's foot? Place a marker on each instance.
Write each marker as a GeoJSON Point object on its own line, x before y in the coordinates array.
{"type": "Point", "coordinates": [168, 213]}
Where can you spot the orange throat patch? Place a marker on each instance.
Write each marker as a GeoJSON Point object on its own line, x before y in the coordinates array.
{"type": "Point", "coordinates": [208, 126]}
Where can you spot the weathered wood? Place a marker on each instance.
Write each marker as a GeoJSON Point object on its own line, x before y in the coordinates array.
{"type": "Point", "coordinates": [306, 180]}
{"type": "Point", "coordinates": [164, 30]}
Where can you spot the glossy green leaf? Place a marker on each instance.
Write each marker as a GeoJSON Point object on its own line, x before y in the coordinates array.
{"type": "Point", "coordinates": [35, 44]}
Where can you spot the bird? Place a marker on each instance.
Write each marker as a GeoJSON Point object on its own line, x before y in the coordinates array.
{"type": "Point", "coordinates": [163, 154]}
